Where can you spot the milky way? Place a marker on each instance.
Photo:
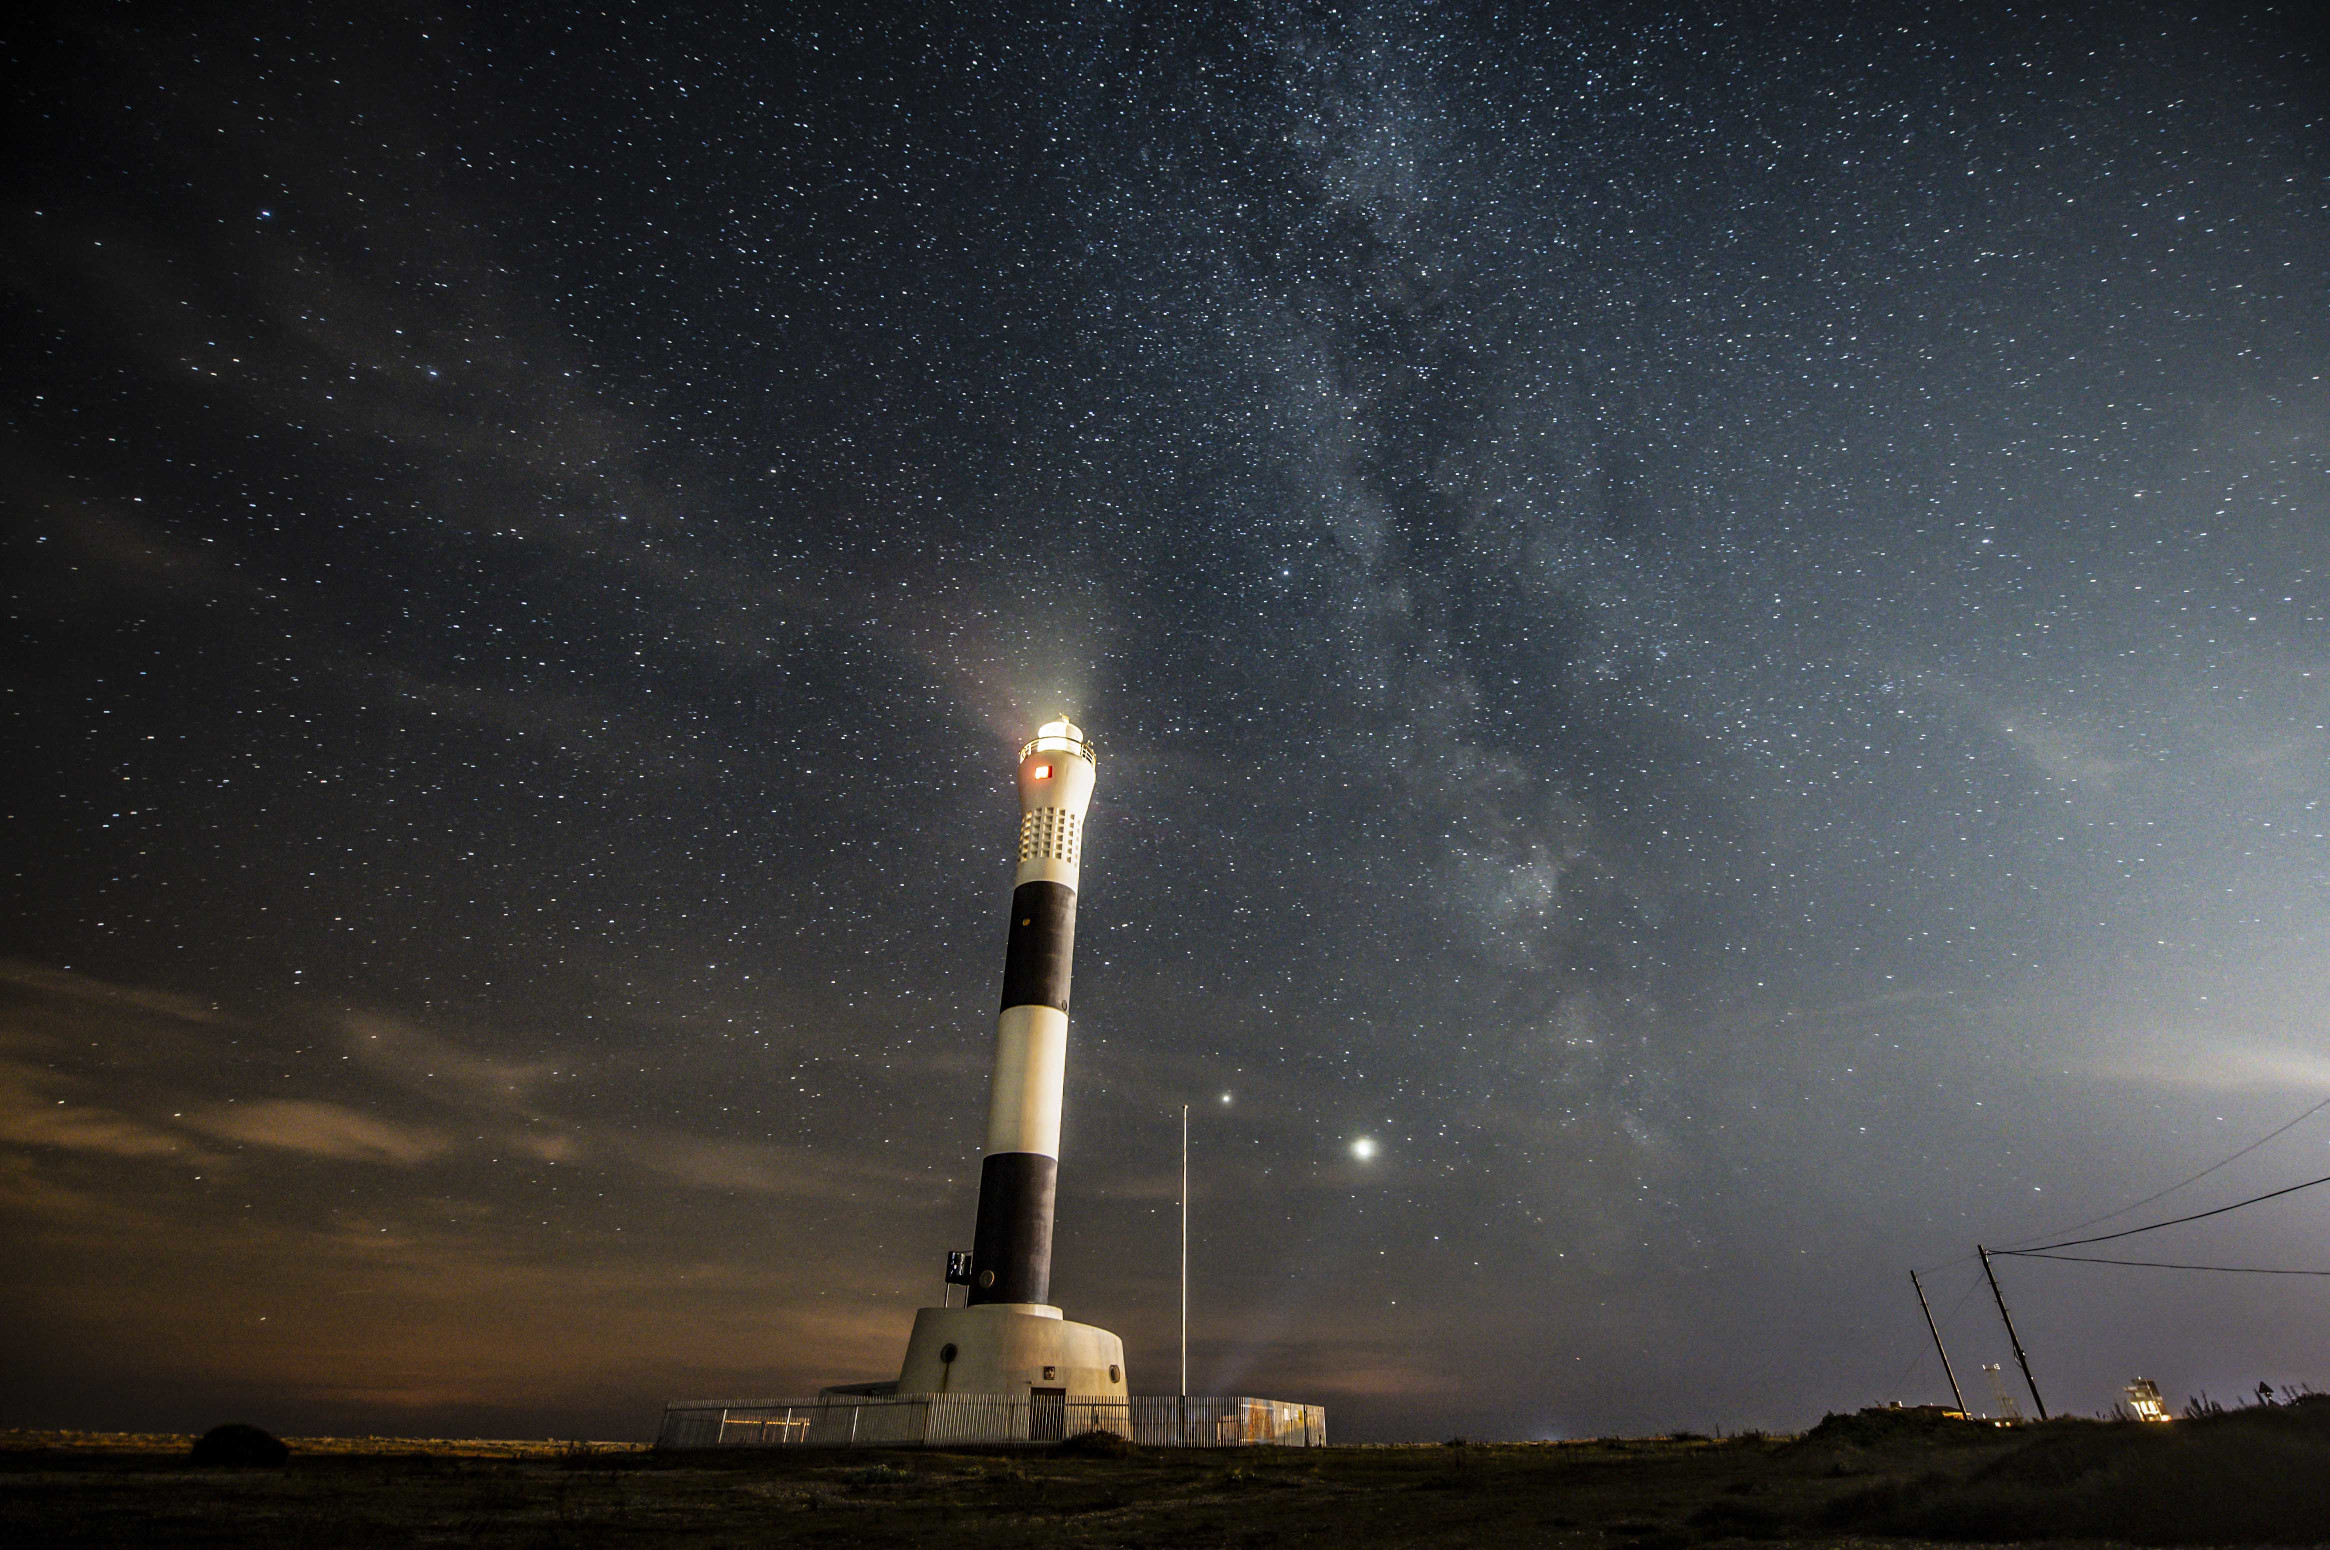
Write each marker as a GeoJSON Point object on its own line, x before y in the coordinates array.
{"type": "Point", "coordinates": [1709, 636]}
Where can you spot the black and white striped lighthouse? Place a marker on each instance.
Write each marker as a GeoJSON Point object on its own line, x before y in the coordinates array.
{"type": "Point", "coordinates": [1011, 1255]}
{"type": "Point", "coordinates": [1058, 1377]}
{"type": "Point", "coordinates": [1008, 1338]}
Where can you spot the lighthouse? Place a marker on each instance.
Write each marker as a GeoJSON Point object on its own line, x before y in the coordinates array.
{"type": "Point", "coordinates": [1010, 1339]}
{"type": "Point", "coordinates": [1011, 1255]}
{"type": "Point", "coordinates": [1005, 1366]}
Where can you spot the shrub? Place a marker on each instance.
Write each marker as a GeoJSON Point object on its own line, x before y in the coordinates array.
{"type": "Point", "coordinates": [236, 1446]}
{"type": "Point", "coordinates": [1097, 1444]}
{"type": "Point", "coordinates": [1882, 1424]}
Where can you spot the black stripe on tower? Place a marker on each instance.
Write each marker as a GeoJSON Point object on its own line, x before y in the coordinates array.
{"type": "Point", "coordinates": [1011, 1253]}
{"type": "Point", "coordinates": [1011, 1250]}
{"type": "Point", "coordinates": [1043, 939]}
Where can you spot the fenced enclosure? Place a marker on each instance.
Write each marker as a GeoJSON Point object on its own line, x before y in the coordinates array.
{"type": "Point", "coordinates": [953, 1420]}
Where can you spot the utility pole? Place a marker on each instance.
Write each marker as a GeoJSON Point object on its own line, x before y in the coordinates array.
{"type": "Point", "coordinates": [2012, 1338]}
{"type": "Point", "coordinates": [1936, 1331]}
{"type": "Point", "coordinates": [1185, 1251]}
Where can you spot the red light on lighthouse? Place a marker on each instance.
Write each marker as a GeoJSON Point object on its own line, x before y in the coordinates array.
{"type": "Point", "coordinates": [1040, 772]}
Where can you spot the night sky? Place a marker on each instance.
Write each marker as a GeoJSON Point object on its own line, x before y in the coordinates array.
{"type": "Point", "coordinates": [1708, 630]}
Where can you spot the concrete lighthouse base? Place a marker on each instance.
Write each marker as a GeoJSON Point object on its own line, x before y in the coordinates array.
{"type": "Point", "coordinates": [1016, 1349]}
{"type": "Point", "coordinates": [995, 1372]}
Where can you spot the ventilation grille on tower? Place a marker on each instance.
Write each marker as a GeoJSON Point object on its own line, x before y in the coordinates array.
{"type": "Point", "coordinates": [1048, 834]}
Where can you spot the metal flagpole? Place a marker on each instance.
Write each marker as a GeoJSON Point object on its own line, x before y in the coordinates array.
{"type": "Point", "coordinates": [1185, 1251]}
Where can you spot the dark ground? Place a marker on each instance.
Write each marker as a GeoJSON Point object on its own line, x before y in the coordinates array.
{"type": "Point", "coordinates": [2258, 1476]}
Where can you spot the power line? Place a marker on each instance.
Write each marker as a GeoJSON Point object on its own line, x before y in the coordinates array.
{"type": "Point", "coordinates": [2272, 1194]}
{"type": "Point", "coordinates": [2173, 1188]}
{"type": "Point", "coordinates": [2154, 1264]}
{"type": "Point", "coordinates": [1902, 1377]}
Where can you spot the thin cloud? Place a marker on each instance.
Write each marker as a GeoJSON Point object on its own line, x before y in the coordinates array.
{"type": "Point", "coordinates": [32, 1113]}
{"type": "Point", "coordinates": [67, 985]}
{"type": "Point", "coordinates": [440, 1069]}
{"type": "Point", "coordinates": [2225, 1067]}
{"type": "Point", "coordinates": [322, 1130]}
{"type": "Point", "coordinates": [761, 1169]}
{"type": "Point", "coordinates": [2057, 752]}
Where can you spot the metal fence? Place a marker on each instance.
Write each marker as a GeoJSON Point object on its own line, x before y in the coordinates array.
{"type": "Point", "coordinates": [944, 1420]}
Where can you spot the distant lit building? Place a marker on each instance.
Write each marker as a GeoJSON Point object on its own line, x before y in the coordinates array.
{"type": "Point", "coordinates": [2144, 1399]}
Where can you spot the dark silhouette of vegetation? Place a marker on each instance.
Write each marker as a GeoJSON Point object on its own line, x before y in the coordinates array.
{"type": "Point", "coordinates": [236, 1446]}
{"type": "Point", "coordinates": [2255, 1475]}
{"type": "Point", "coordinates": [1885, 1426]}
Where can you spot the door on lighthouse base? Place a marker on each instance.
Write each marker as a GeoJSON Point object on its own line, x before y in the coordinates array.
{"type": "Point", "coordinates": [1047, 1416]}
